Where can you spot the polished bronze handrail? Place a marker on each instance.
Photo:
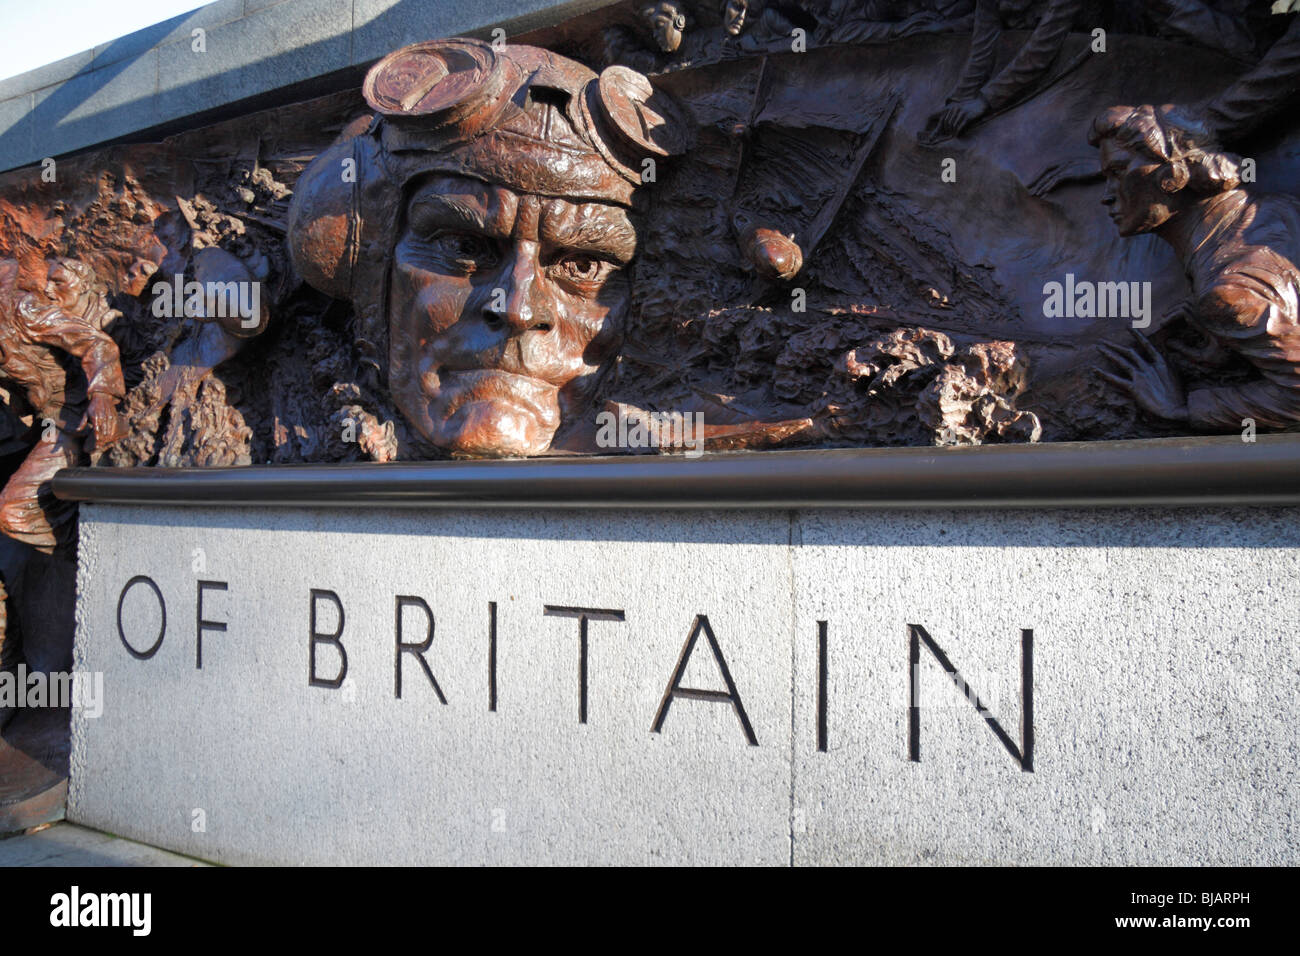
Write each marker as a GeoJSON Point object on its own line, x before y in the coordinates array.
{"type": "Point", "coordinates": [1171, 471]}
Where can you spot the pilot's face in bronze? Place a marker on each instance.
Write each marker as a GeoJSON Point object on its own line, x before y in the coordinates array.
{"type": "Point", "coordinates": [504, 307]}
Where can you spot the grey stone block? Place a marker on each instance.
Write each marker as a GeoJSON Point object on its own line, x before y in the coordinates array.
{"type": "Point", "coordinates": [286, 771]}
{"type": "Point", "coordinates": [16, 142]}
{"type": "Point", "coordinates": [1164, 671]}
{"type": "Point", "coordinates": [46, 75]}
{"type": "Point", "coordinates": [381, 26]}
{"type": "Point", "coordinates": [176, 29]}
{"type": "Point", "coordinates": [252, 6]}
{"type": "Point", "coordinates": [273, 47]}
{"type": "Point", "coordinates": [93, 107]}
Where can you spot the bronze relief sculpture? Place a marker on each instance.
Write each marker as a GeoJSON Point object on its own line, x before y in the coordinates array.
{"type": "Point", "coordinates": [664, 228]}
{"type": "Point", "coordinates": [72, 413]}
{"type": "Point", "coordinates": [775, 224]}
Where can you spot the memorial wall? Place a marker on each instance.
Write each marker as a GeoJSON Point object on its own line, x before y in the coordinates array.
{"type": "Point", "coordinates": [801, 432]}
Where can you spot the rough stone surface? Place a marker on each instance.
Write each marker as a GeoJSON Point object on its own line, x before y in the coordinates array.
{"type": "Point", "coordinates": [93, 106]}
{"type": "Point", "coordinates": [46, 75]}
{"type": "Point", "coordinates": [16, 136]}
{"type": "Point", "coordinates": [381, 26]}
{"type": "Point", "coordinates": [1165, 680]}
{"type": "Point", "coordinates": [1166, 677]}
{"type": "Point", "coordinates": [177, 29]}
{"type": "Point", "coordinates": [285, 771]}
{"type": "Point", "coordinates": [270, 48]}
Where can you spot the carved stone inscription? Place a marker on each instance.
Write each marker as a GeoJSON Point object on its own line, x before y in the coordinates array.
{"type": "Point", "coordinates": [332, 675]}
{"type": "Point", "coordinates": [698, 686]}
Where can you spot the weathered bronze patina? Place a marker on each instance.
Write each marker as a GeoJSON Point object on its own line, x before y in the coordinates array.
{"type": "Point", "coordinates": [768, 224]}
{"type": "Point", "coordinates": [714, 225]}
{"type": "Point", "coordinates": [69, 318]}
{"type": "Point", "coordinates": [1238, 252]}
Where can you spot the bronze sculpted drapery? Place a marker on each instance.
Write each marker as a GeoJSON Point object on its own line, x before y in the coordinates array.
{"type": "Point", "coordinates": [69, 318]}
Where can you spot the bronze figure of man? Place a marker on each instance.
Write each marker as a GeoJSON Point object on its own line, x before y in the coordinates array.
{"type": "Point", "coordinates": [35, 337]}
{"type": "Point", "coordinates": [979, 92]}
{"type": "Point", "coordinates": [482, 223]}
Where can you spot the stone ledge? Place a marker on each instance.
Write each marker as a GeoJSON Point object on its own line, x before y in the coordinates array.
{"type": "Point", "coordinates": [152, 77]}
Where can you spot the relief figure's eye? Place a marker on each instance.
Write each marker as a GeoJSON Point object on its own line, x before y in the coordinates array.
{"type": "Point", "coordinates": [462, 251]}
{"type": "Point", "coordinates": [464, 245]}
{"type": "Point", "coordinates": [583, 269]}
